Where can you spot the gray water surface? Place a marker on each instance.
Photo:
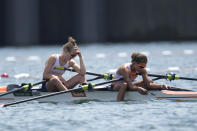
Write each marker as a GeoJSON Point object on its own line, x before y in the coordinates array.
{"type": "Point", "coordinates": [106, 116]}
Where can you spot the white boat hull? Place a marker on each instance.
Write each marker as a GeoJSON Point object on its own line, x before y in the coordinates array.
{"type": "Point", "coordinates": [103, 96]}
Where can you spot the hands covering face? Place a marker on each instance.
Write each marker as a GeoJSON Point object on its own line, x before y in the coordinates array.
{"type": "Point", "coordinates": [75, 52]}
{"type": "Point", "coordinates": [141, 67]}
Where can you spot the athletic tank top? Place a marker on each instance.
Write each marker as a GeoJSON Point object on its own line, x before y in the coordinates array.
{"type": "Point", "coordinates": [57, 63]}
{"type": "Point", "coordinates": [132, 75]}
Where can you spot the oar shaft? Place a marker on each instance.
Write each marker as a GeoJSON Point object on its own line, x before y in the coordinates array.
{"type": "Point", "coordinates": [156, 79]}
{"type": "Point", "coordinates": [154, 75]}
{"type": "Point", "coordinates": [72, 70]}
{"type": "Point", "coordinates": [107, 82]}
{"type": "Point", "coordinates": [96, 78]}
{"type": "Point", "coordinates": [39, 83]}
{"type": "Point", "coordinates": [90, 86]}
{"type": "Point", "coordinates": [39, 97]}
{"type": "Point", "coordinates": [95, 74]}
{"type": "Point", "coordinates": [170, 75]}
{"type": "Point", "coordinates": [186, 78]}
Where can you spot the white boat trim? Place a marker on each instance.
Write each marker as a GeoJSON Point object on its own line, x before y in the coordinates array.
{"type": "Point", "coordinates": [104, 96]}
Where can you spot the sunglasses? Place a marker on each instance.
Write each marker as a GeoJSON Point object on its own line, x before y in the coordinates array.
{"type": "Point", "coordinates": [141, 66]}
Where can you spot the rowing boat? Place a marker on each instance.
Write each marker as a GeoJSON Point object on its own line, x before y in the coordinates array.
{"type": "Point", "coordinates": [15, 94]}
{"type": "Point", "coordinates": [101, 94]}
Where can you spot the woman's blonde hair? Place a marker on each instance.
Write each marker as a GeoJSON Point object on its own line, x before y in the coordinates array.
{"type": "Point", "coordinates": [139, 58]}
{"type": "Point", "coordinates": [70, 44]}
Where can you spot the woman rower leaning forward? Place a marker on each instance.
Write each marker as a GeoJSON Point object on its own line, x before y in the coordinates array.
{"type": "Point", "coordinates": [129, 72]}
{"type": "Point", "coordinates": [65, 59]}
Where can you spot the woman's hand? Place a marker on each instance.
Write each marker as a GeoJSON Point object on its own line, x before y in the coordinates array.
{"type": "Point", "coordinates": [142, 90]}
{"type": "Point", "coordinates": [141, 70]}
{"type": "Point", "coordinates": [77, 51]}
{"type": "Point", "coordinates": [165, 87]}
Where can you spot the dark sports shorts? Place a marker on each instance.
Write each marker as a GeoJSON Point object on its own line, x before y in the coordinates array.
{"type": "Point", "coordinates": [44, 89]}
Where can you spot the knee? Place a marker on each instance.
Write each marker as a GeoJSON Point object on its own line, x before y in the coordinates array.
{"type": "Point", "coordinates": [124, 86]}
{"type": "Point", "coordinates": [54, 80]}
{"type": "Point", "coordinates": [82, 76]}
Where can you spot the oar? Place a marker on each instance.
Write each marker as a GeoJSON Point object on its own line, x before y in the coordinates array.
{"type": "Point", "coordinates": [172, 76]}
{"type": "Point", "coordinates": [96, 78]}
{"type": "Point", "coordinates": [72, 70]}
{"type": "Point", "coordinates": [99, 76]}
{"type": "Point", "coordinates": [84, 87]}
{"type": "Point", "coordinates": [169, 76]}
{"type": "Point", "coordinates": [158, 78]}
{"type": "Point", "coordinates": [22, 87]}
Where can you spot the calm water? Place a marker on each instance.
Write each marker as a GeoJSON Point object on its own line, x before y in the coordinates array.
{"type": "Point", "coordinates": [133, 115]}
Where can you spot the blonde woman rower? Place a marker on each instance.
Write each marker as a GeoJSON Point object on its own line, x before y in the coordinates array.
{"type": "Point", "coordinates": [65, 59]}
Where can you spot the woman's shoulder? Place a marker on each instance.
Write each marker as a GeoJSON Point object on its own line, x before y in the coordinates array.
{"type": "Point", "coordinates": [125, 65]}
{"type": "Point", "coordinates": [123, 68]}
{"type": "Point", "coordinates": [52, 57]}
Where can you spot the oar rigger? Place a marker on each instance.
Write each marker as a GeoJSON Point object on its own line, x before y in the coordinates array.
{"type": "Point", "coordinates": [172, 76]}
{"type": "Point", "coordinates": [169, 76]}
{"type": "Point", "coordinates": [88, 86]}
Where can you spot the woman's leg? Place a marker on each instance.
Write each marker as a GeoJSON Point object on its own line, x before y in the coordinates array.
{"type": "Point", "coordinates": [54, 84]}
{"type": "Point", "coordinates": [77, 79]}
{"type": "Point", "coordinates": [122, 87]}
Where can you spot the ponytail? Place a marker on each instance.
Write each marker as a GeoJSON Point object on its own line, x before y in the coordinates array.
{"type": "Point", "coordinates": [70, 44]}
